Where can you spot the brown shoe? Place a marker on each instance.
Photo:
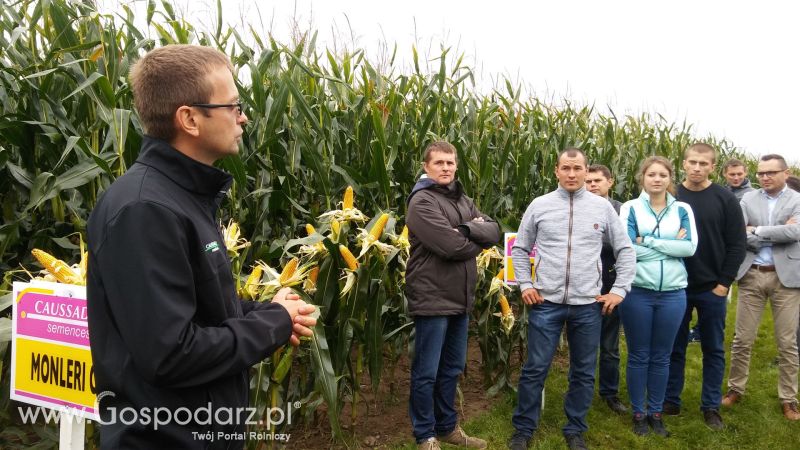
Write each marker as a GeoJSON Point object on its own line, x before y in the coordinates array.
{"type": "Point", "coordinates": [790, 411]}
{"type": "Point", "coordinates": [429, 444]}
{"type": "Point", "coordinates": [730, 398]}
{"type": "Point", "coordinates": [458, 437]}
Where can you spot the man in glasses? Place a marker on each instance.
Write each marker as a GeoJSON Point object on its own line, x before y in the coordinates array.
{"type": "Point", "coordinates": [171, 341]}
{"type": "Point", "coordinates": [712, 269]}
{"type": "Point", "coordinates": [771, 270]}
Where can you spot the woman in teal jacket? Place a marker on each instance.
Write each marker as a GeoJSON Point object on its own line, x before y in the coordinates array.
{"type": "Point", "coordinates": [663, 232]}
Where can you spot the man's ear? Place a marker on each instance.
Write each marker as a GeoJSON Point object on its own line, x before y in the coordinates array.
{"type": "Point", "coordinates": [186, 121]}
{"type": "Point", "coordinates": [610, 182]}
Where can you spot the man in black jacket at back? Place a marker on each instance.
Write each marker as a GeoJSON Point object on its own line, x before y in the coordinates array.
{"type": "Point", "coordinates": [599, 182]}
{"type": "Point", "coordinates": [171, 342]}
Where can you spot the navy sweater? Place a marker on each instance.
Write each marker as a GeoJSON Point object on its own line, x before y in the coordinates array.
{"type": "Point", "coordinates": [721, 237]}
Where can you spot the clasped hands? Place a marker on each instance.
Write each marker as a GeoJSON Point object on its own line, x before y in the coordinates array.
{"type": "Point", "coordinates": [299, 311]}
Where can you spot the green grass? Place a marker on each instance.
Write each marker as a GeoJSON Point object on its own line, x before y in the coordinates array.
{"type": "Point", "coordinates": [755, 423]}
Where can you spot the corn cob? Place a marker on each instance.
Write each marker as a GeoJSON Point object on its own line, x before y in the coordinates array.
{"type": "Point", "coordinates": [404, 233]}
{"type": "Point", "coordinates": [377, 229]}
{"type": "Point", "coordinates": [250, 288]}
{"type": "Point", "coordinates": [501, 274]}
{"type": "Point", "coordinates": [335, 227]}
{"type": "Point", "coordinates": [504, 308]}
{"type": "Point", "coordinates": [347, 202]}
{"type": "Point", "coordinates": [348, 257]}
{"type": "Point", "coordinates": [288, 270]}
{"type": "Point", "coordinates": [506, 317]}
{"type": "Point", "coordinates": [313, 274]}
{"type": "Point", "coordinates": [310, 229]}
{"type": "Point", "coordinates": [57, 267]}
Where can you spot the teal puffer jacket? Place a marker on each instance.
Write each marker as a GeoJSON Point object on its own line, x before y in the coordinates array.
{"type": "Point", "coordinates": [659, 255]}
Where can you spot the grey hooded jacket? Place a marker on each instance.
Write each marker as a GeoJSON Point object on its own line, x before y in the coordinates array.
{"type": "Point", "coordinates": [569, 230]}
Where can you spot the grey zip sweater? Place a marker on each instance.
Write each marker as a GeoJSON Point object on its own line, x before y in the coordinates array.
{"type": "Point", "coordinates": [568, 230]}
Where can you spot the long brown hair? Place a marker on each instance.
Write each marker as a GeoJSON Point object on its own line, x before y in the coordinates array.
{"type": "Point", "coordinates": [657, 160]}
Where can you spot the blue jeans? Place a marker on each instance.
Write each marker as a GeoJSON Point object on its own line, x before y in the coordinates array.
{"type": "Point", "coordinates": [651, 320]}
{"type": "Point", "coordinates": [608, 372]}
{"type": "Point", "coordinates": [440, 354]}
{"type": "Point", "coordinates": [545, 322]}
{"type": "Point", "coordinates": [711, 311]}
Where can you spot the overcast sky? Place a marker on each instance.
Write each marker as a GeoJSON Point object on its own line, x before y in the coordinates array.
{"type": "Point", "coordinates": [728, 67]}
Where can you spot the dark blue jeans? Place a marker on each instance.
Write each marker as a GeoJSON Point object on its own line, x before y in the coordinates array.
{"type": "Point", "coordinates": [440, 354]}
{"type": "Point", "coordinates": [651, 320]}
{"type": "Point", "coordinates": [711, 311]}
{"type": "Point", "coordinates": [545, 323]}
{"type": "Point", "coordinates": [608, 371]}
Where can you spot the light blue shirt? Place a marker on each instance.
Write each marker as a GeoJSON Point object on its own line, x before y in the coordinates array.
{"type": "Point", "coordinates": [764, 257]}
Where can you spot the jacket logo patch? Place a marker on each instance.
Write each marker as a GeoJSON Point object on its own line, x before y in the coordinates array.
{"type": "Point", "coordinates": [212, 247]}
{"type": "Point", "coordinates": [596, 226]}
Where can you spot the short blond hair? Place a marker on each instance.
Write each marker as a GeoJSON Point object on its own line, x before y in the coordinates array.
{"type": "Point", "coordinates": [169, 77]}
{"type": "Point", "coordinates": [701, 147]}
{"type": "Point", "coordinates": [439, 146]}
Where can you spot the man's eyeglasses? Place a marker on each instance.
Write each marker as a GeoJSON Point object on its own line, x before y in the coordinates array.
{"type": "Point", "coordinates": [237, 105]}
{"type": "Point", "coordinates": [768, 174]}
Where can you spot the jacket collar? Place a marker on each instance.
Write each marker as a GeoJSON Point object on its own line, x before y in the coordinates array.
{"type": "Point", "coordinates": [453, 190]}
{"type": "Point", "coordinates": [563, 192]}
{"type": "Point", "coordinates": [645, 197]}
{"type": "Point", "coordinates": [745, 185]}
{"type": "Point", "coordinates": [188, 173]}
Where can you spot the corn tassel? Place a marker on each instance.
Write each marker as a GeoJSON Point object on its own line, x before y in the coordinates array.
{"type": "Point", "coordinates": [348, 257]}
{"type": "Point", "coordinates": [310, 229]}
{"type": "Point", "coordinates": [288, 270]}
{"type": "Point", "coordinates": [58, 268]}
{"type": "Point", "coordinates": [377, 229]}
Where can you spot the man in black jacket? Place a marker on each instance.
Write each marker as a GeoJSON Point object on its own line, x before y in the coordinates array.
{"type": "Point", "coordinates": [446, 232]}
{"type": "Point", "coordinates": [171, 341]}
{"type": "Point", "coordinates": [599, 182]}
{"type": "Point", "coordinates": [712, 269]}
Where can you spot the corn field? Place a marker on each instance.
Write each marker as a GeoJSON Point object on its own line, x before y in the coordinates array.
{"type": "Point", "coordinates": [319, 122]}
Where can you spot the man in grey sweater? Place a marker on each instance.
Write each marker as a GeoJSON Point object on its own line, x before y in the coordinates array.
{"type": "Point", "coordinates": [735, 173]}
{"type": "Point", "coordinates": [568, 227]}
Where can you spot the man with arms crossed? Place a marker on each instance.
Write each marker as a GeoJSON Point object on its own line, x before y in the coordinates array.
{"type": "Point", "coordinates": [568, 227]}
{"type": "Point", "coordinates": [446, 232]}
{"type": "Point", "coordinates": [712, 269]}
{"type": "Point", "coordinates": [168, 331]}
{"type": "Point", "coordinates": [771, 270]}
{"type": "Point", "coordinates": [599, 181]}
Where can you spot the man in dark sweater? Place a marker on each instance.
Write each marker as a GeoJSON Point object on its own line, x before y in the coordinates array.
{"type": "Point", "coordinates": [712, 269]}
{"type": "Point", "coordinates": [599, 181]}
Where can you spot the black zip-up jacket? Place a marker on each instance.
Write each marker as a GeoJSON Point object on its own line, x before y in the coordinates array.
{"type": "Point", "coordinates": [608, 259]}
{"type": "Point", "coordinates": [167, 328]}
{"type": "Point", "coordinates": [441, 273]}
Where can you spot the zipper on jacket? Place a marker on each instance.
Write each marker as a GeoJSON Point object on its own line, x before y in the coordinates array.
{"type": "Point", "coordinates": [569, 248]}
